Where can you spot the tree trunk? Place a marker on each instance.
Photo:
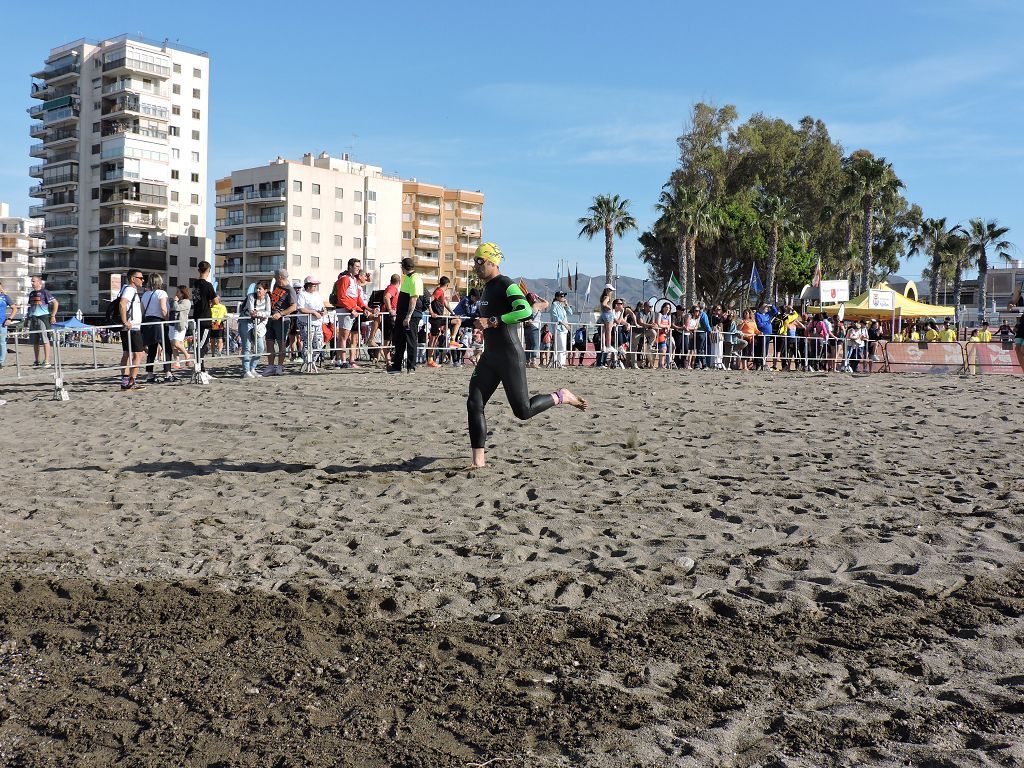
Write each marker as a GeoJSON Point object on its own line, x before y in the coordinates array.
{"type": "Point", "coordinates": [691, 268]}
{"type": "Point", "coordinates": [936, 270]}
{"type": "Point", "coordinates": [957, 286]}
{"type": "Point", "coordinates": [609, 256]}
{"type": "Point", "coordinates": [982, 287]}
{"type": "Point", "coordinates": [773, 262]}
{"type": "Point", "coordinates": [682, 263]}
{"type": "Point", "coordinates": [866, 265]}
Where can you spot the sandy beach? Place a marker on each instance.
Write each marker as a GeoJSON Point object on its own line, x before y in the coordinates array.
{"type": "Point", "coordinates": [707, 568]}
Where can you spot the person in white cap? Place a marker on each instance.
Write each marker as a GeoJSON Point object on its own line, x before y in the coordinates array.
{"type": "Point", "coordinates": [311, 311]}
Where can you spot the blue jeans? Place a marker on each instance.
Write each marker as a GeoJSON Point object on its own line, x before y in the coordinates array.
{"type": "Point", "coordinates": [531, 339]}
{"type": "Point", "coordinates": [703, 359]}
{"type": "Point", "coordinates": [3, 344]}
{"type": "Point", "coordinates": [252, 346]}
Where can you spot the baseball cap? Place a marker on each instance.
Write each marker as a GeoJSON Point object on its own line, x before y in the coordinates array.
{"type": "Point", "coordinates": [609, 285]}
{"type": "Point", "coordinates": [311, 280]}
{"type": "Point", "coordinates": [559, 294]}
{"type": "Point", "coordinates": [489, 252]}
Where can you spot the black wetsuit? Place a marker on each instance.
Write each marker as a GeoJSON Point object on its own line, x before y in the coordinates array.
{"type": "Point", "coordinates": [503, 361]}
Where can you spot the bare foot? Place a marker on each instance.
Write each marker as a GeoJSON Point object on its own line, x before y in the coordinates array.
{"type": "Point", "coordinates": [568, 398]}
{"type": "Point", "coordinates": [474, 467]}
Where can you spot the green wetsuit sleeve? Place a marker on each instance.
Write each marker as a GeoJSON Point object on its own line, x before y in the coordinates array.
{"type": "Point", "coordinates": [521, 308]}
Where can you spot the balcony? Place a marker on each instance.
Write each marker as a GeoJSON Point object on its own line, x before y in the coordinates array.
{"type": "Point", "coordinates": [265, 265]}
{"type": "Point", "coordinates": [156, 262]}
{"type": "Point", "coordinates": [60, 200]}
{"type": "Point", "coordinates": [230, 268]}
{"type": "Point", "coordinates": [132, 197]}
{"type": "Point", "coordinates": [424, 207]}
{"type": "Point", "coordinates": [61, 178]}
{"type": "Point", "coordinates": [273, 220]}
{"type": "Point", "coordinates": [35, 171]}
{"type": "Point", "coordinates": [128, 218]}
{"type": "Point", "coordinates": [134, 105]}
{"type": "Point", "coordinates": [61, 222]}
{"type": "Point", "coordinates": [36, 211]}
{"type": "Point", "coordinates": [128, 64]}
{"type": "Point", "coordinates": [433, 225]}
{"type": "Point", "coordinates": [37, 150]}
{"type": "Point", "coordinates": [229, 223]}
{"type": "Point", "coordinates": [62, 284]}
{"type": "Point", "coordinates": [231, 245]}
{"type": "Point", "coordinates": [40, 90]}
{"type": "Point", "coordinates": [57, 116]}
{"type": "Point", "coordinates": [427, 243]}
{"type": "Point", "coordinates": [468, 248]}
{"type": "Point", "coordinates": [265, 245]}
{"type": "Point", "coordinates": [64, 157]}
{"type": "Point", "coordinates": [423, 259]}
{"type": "Point", "coordinates": [275, 193]}
{"type": "Point", "coordinates": [37, 131]}
{"type": "Point", "coordinates": [57, 74]}
{"type": "Point", "coordinates": [60, 136]}
{"type": "Point", "coordinates": [36, 191]}
{"type": "Point", "coordinates": [470, 213]}
{"type": "Point", "coordinates": [62, 263]}
{"type": "Point", "coordinates": [133, 241]}
{"type": "Point", "coordinates": [121, 129]}
{"type": "Point", "coordinates": [231, 199]}
{"type": "Point", "coordinates": [130, 86]}
{"type": "Point", "coordinates": [61, 244]}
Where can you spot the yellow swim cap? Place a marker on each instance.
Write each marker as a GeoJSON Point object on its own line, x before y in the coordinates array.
{"type": "Point", "coordinates": [490, 252]}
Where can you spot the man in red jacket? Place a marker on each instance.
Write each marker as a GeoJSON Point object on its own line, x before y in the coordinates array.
{"type": "Point", "coordinates": [351, 307]}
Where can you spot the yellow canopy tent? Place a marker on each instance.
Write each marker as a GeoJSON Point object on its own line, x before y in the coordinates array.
{"type": "Point", "coordinates": [860, 307]}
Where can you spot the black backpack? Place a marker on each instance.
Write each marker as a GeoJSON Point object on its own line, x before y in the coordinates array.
{"type": "Point", "coordinates": [113, 315]}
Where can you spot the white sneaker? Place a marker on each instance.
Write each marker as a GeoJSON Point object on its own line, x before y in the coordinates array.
{"type": "Point", "coordinates": [256, 374]}
{"type": "Point", "coordinates": [248, 375]}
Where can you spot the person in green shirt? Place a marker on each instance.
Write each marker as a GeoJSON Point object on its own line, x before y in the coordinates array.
{"type": "Point", "coordinates": [407, 319]}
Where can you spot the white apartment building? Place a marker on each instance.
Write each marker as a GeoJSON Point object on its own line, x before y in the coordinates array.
{"type": "Point", "coordinates": [21, 255]}
{"type": "Point", "coordinates": [122, 154]}
{"type": "Point", "coordinates": [310, 216]}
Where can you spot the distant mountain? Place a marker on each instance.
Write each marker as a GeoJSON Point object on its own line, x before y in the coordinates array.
{"type": "Point", "coordinates": [630, 289]}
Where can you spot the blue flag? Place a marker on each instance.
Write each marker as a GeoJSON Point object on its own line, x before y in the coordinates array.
{"type": "Point", "coordinates": [755, 280]}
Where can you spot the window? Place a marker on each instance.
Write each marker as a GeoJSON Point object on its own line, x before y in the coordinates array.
{"type": "Point", "coordinates": [193, 241]}
{"type": "Point", "coordinates": [357, 219]}
{"type": "Point", "coordinates": [193, 261]}
{"type": "Point", "coordinates": [174, 174]}
{"type": "Point", "coordinates": [339, 193]}
{"type": "Point", "coordinates": [316, 189]}
{"type": "Point", "coordinates": [197, 72]}
{"type": "Point", "coordinates": [174, 239]}
{"type": "Point", "coordinates": [371, 196]}
{"type": "Point", "coordinates": [296, 210]}
{"type": "Point", "coordinates": [297, 235]}
{"type": "Point", "coordinates": [195, 157]}
{"type": "Point", "coordinates": [370, 265]}
{"type": "Point", "coordinates": [194, 199]}
{"type": "Point", "coordinates": [177, 69]}
{"type": "Point", "coordinates": [195, 135]}
{"type": "Point", "coordinates": [314, 237]}
{"type": "Point", "coordinates": [449, 223]}
{"type": "Point", "coordinates": [175, 154]}
{"type": "Point", "coordinates": [173, 130]}
{"type": "Point", "coordinates": [95, 193]}
{"type": "Point", "coordinates": [195, 178]}
{"type": "Point", "coordinates": [357, 196]}
{"type": "Point", "coordinates": [407, 199]}
{"type": "Point", "coordinates": [339, 216]}
{"type": "Point", "coordinates": [449, 205]}
{"type": "Point", "coordinates": [449, 257]}
{"type": "Point", "coordinates": [371, 218]}
{"type": "Point", "coordinates": [449, 240]}
{"type": "Point", "coordinates": [196, 94]}
{"type": "Point", "coordinates": [315, 213]}
{"type": "Point", "coordinates": [195, 114]}
{"type": "Point", "coordinates": [174, 196]}
{"type": "Point", "coordinates": [175, 109]}
{"type": "Point", "coordinates": [406, 254]}
{"type": "Point", "coordinates": [296, 186]}
{"type": "Point", "coordinates": [96, 148]}
{"type": "Point", "coordinates": [338, 240]}
{"type": "Point", "coordinates": [314, 261]}
{"type": "Point", "coordinates": [339, 264]}
{"type": "Point", "coordinates": [194, 218]}
{"type": "Point", "coordinates": [96, 126]}
{"type": "Point", "coordinates": [407, 234]}
{"type": "Point", "coordinates": [297, 258]}
{"type": "Point", "coordinates": [357, 242]}
{"type": "Point", "coordinates": [174, 216]}
{"type": "Point", "coordinates": [407, 217]}
{"type": "Point", "coordinates": [173, 260]}
{"type": "Point", "coordinates": [176, 89]}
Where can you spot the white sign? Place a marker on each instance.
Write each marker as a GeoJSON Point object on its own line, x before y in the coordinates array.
{"type": "Point", "coordinates": [881, 299]}
{"type": "Point", "coordinates": [834, 291]}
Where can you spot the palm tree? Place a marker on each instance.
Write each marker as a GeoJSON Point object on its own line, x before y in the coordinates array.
{"type": "Point", "coordinates": [673, 204]}
{"type": "Point", "coordinates": [777, 216]}
{"type": "Point", "coordinates": [870, 181]}
{"type": "Point", "coordinates": [703, 225]}
{"type": "Point", "coordinates": [956, 258]}
{"type": "Point", "coordinates": [609, 214]}
{"type": "Point", "coordinates": [928, 240]}
{"type": "Point", "coordinates": [982, 235]}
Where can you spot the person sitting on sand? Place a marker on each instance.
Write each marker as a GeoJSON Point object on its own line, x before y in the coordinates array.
{"type": "Point", "coordinates": [502, 307]}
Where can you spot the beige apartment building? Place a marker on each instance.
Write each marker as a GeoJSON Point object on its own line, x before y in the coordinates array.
{"type": "Point", "coordinates": [441, 229]}
{"type": "Point", "coordinates": [121, 177]}
{"type": "Point", "coordinates": [21, 255]}
{"type": "Point", "coordinates": [310, 216]}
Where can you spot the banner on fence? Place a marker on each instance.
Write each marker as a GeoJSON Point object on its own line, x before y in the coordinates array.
{"type": "Point", "coordinates": [915, 357]}
{"type": "Point", "coordinates": [992, 357]}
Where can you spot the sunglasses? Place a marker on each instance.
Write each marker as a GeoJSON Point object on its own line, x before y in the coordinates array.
{"type": "Point", "coordinates": [478, 261]}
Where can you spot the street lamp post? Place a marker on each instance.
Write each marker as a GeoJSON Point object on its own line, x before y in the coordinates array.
{"type": "Point", "coordinates": [643, 289]}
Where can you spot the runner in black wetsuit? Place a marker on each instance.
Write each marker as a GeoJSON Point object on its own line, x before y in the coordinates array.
{"type": "Point", "coordinates": [502, 307]}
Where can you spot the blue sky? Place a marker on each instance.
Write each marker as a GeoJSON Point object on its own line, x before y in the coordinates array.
{"type": "Point", "coordinates": [544, 105]}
